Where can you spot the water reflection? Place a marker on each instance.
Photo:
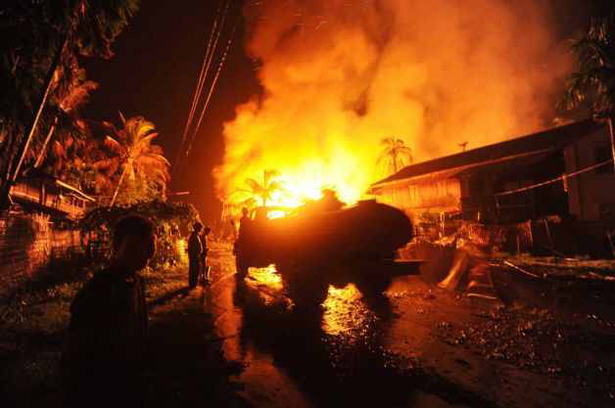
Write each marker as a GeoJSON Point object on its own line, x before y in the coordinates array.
{"type": "Point", "coordinates": [322, 356]}
{"type": "Point", "coordinates": [267, 283]}
{"type": "Point", "coordinates": [345, 312]}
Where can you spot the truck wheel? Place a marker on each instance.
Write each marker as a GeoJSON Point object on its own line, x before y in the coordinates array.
{"type": "Point", "coordinates": [306, 290]}
{"type": "Point", "coordinates": [373, 285]}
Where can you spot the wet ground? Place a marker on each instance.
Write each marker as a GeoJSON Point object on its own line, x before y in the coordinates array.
{"type": "Point", "coordinates": [241, 343]}
{"type": "Point", "coordinates": [416, 346]}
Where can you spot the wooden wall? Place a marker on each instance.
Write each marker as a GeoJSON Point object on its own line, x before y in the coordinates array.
{"type": "Point", "coordinates": [432, 196]}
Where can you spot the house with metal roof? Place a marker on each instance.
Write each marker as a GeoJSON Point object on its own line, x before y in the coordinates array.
{"type": "Point", "coordinates": [41, 192]}
{"type": "Point", "coordinates": [566, 171]}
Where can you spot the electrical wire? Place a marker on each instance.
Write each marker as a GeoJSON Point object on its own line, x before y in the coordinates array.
{"type": "Point", "coordinates": [555, 180]}
{"type": "Point", "coordinates": [212, 88]}
{"type": "Point", "coordinates": [212, 45]}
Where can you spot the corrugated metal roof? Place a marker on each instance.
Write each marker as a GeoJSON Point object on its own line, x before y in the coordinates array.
{"type": "Point", "coordinates": [544, 141]}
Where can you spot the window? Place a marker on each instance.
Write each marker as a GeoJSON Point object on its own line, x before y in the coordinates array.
{"type": "Point", "coordinates": [602, 154]}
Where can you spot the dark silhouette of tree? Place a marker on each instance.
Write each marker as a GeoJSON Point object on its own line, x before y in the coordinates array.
{"type": "Point", "coordinates": [66, 123]}
{"type": "Point", "coordinates": [264, 189]}
{"type": "Point", "coordinates": [594, 78]}
{"type": "Point", "coordinates": [395, 154]}
{"type": "Point", "coordinates": [42, 44]}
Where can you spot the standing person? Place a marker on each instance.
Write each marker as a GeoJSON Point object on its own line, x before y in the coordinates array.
{"type": "Point", "coordinates": [103, 361]}
{"type": "Point", "coordinates": [195, 250]}
{"type": "Point", "coordinates": [204, 267]}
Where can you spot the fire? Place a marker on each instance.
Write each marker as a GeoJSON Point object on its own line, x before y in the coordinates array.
{"type": "Point", "coordinates": [306, 182]}
{"type": "Point", "coordinates": [339, 75]}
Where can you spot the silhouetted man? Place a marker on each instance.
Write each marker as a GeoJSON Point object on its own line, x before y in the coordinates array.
{"type": "Point", "coordinates": [195, 250]}
{"type": "Point", "coordinates": [245, 222]}
{"type": "Point", "coordinates": [103, 360]}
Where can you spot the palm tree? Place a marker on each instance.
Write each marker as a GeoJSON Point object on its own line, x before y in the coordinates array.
{"type": "Point", "coordinates": [64, 117]}
{"type": "Point", "coordinates": [265, 189]}
{"type": "Point", "coordinates": [594, 79]}
{"type": "Point", "coordinates": [44, 41]}
{"type": "Point", "coordinates": [395, 154]}
{"type": "Point", "coordinates": [134, 156]}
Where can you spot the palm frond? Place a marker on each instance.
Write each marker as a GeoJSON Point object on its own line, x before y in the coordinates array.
{"type": "Point", "coordinates": [114, 145]}
{"type": "Point", "coordinates": [254, 185]}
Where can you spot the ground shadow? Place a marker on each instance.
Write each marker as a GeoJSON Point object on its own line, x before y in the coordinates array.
{"type": "Point", "coordinates": [334, 371]}
{"type": "Point", "coordinates": [169, 296]}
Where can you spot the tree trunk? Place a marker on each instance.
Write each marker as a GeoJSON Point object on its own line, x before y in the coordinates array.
{"type": "Point", "coordinates": [23, 148]}
{"type": "Point", "coordinates": [612, 134]}
{"type": "Point", "coordinates": [394, 162]}
{"type": "Point", "coordinates": [42, 154]}
{"type": "Point", "coordinates": [119, 184]}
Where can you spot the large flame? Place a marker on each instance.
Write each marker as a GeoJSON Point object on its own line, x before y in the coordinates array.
{"type": "Point", "coordinates": [340, 75]}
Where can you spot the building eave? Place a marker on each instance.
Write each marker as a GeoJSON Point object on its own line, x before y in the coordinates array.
{"type": "Point", "coordinates": [75, 191]}
{"type": "Point", "coordinates": [456, 171]}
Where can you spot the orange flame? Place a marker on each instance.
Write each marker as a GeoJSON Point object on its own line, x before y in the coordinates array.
{"type": "Point", "coordinates": [340, 75]}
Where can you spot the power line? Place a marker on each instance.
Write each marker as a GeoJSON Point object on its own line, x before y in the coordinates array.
{"type": "Point", "coordinates": [212, 46]}
{"type": "Point", "coordinates": [211, 90]}
{"type": "Point", "coordinates": [555, 180]}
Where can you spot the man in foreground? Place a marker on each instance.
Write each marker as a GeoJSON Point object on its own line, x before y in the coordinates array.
{"type": "Point", "coordinates": [103, 360]}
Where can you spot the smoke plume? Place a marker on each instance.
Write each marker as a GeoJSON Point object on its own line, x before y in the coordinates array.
{"type": "Point", "coordinates": [340, 75]}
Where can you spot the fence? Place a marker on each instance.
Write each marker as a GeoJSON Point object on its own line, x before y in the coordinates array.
{"type": "Point", "coordinates": [29, 243]}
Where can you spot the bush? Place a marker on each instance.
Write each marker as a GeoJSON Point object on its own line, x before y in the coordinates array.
{"type": "Point", "coordinates": [170, 219]}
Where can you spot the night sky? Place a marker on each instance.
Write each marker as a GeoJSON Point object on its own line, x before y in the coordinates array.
{"type": "Point", "coordinates": [153, 74]}
{"type": "Point", "coordinates": [155, 68]}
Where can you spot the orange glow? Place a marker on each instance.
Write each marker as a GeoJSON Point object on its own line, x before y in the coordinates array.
{"type": "Point", "coordinates": [267, 277]}
{"type": "Point", "coordinates": [267, 282]}
{"type": "Point", "coordinates": [182, 250]}
{"type": "Point", "coordinates": [345, 312]}
{"type": "Point", "coordinates": [338, 76]}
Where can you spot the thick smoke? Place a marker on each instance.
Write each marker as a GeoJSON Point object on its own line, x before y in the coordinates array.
{"type": "Point", "coordinates": [340, 75]}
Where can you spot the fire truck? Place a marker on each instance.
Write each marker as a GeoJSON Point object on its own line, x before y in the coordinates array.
{"type": "Point", "coordinates": [313, 249]}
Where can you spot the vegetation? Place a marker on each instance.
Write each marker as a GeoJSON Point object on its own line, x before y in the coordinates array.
{"type": "Point", "coordinates": [594, 79]}
{"type": "Point", "coordinates": [36, 34]}
{"type": "Point", "coordinates": [264, 190]}
{"type": "Point", "coordinates": [395, 154]}
{"type": "Point", "coordinates": [134, 165]}
{"type": "Point", "coordinates": [70, 158]}
{"type": "Point", "coordinates": [170, 220]}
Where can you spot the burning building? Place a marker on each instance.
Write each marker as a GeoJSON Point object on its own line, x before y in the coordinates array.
{"type": "Point", "coordinates": [338, 76]}
{"type": "Point", "coordinates": [566, 171]}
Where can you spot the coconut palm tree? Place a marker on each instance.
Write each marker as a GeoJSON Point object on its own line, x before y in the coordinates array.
{"type": "Point", "coordinates": [65, 117]}
{"type": "Point", "coordinates": [134, 157]}
{"type": "Point", "coordinates": [395, 154]}
{"type": "Point", "coordinates": [264, 189]}
{"type": "Point", "coordinates": [44, 40]}
{"type": "Point", "coordinates": [594, 78]}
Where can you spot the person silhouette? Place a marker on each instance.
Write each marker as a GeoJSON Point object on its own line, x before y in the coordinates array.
{"type": "Point", "coordinates": [103, 361]}
{"type": "Point", "coordinates": [195, 251]}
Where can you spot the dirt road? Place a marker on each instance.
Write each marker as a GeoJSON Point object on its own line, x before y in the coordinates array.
{"type": "Point", "coordinates": [415, 347]}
